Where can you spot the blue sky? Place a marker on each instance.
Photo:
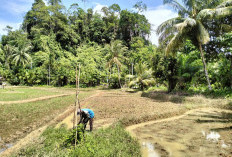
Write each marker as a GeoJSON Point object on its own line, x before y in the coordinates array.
{"type": "Point", "coordinates": [13, 11]}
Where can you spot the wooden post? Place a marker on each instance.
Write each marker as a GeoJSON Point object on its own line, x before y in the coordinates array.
{"type": "Point", "coordinates": [74, 113]}
{"type": "Point", "coordinates": [77, 99]}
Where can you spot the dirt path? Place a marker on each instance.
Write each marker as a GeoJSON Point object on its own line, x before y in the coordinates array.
{"type": "Point", "coordinates": [33, 100]}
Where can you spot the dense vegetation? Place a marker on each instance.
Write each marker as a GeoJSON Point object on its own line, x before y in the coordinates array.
{"type": "Point", "coordinates": [113, 47]}
{"type": "Point", "coordinates": [113, 141]}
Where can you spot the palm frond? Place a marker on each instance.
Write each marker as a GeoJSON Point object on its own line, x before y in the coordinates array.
{"type": "Point", "coordinates": [214, 13]}
{"type": "Point", "coordinates": [188, 23]}
{"type": "Point", "coordinates": [226, 28]}
{"type": "Point", "coordinates": [202, 34]}
{"type": "Point", "coordinates": [168, 24]}
{"type": "Point", "coordinates": [209, 4]}
{"type": "Point", "coordinates": [163, 43]}
{"type": "Point", "coordinates": [190, 5]}
{"type": "Point", "coordinates": [132, 83]}
{"type": "Point", "coordinates": [225, 4]}
{"type": "Point", "coordinates": [164, 36]}
{"type": "Point", "coordinates": [175, 43]}
{"type": "Point", "coordinates": [176, 6]}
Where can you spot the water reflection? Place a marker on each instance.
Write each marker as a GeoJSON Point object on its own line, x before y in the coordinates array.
{"type": "Point", "coordinates": [212, 136]}
{"type": "Point", "coordinates": [149, 149]}
{"type": "Point", "coordinates": [6, 146]}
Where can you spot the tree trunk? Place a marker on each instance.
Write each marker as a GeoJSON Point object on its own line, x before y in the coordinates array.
{"type": "Point", "coordinates": [119, 80]}
{"type": "Point", "coordinates": [49, 81]}
{"type": "Point", "coordinates": [171, 84]}
{"type": "Point", "coordinates": [231, 72]}
{"type": "Point", "coordinates": [205, 67]}
{"type": "Point", "coordinates": [132, 69]}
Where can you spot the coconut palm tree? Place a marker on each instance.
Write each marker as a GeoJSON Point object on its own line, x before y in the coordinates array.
{"type": "Point", "coordinates": [21, 56]}
{"type": "Point", "coordinates": [190, 24]}
{"type": "Point", "coordinates": [143, 77]}
{"type": "Point", "coordinates": [116, 51]}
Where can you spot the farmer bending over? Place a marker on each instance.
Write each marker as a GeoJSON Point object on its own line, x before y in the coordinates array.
{"type": "Point", "coordinates": [85, 116]}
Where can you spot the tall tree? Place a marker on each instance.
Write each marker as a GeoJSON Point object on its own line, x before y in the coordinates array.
{"type": "Point", "coordinates": [190, 24]}
{"type": "Point", "coordinates": [116, 51]}
{"type": "Point", "coordinates": [133, 25]}
{"type": "Point", "coordinates": [37, 17]}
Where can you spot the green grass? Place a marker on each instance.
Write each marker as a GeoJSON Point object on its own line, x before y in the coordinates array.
{"type": "Point", "coordinates": [113, 141]}
{"type": "Point", "coordinates": [14, 94]}
{"type": "Point", "coordinates": [22, 118]}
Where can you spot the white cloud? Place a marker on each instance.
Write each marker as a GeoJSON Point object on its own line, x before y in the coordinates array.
{"type": "Point", "coordinates": [156, 16]}
{"type": "Point", "coordinates": [16, 8]}
{"type": "Point", "coordinates": [98, 8]}
{"type": "Point", "coordinates": [3, 25]}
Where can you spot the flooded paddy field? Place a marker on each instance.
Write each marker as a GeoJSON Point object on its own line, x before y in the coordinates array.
{"type": "Point", "coordinates": [202, 132]}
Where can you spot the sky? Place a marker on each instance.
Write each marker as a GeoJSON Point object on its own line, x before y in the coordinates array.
{"type": "Point", "coordinates": [12, 12]}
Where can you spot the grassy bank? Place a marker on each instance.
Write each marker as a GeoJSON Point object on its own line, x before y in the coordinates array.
{"type": "Point", "coordinates": [113, 141]}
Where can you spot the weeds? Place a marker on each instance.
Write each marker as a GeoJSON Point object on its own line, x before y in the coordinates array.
{"type": "Point", "coordinates": [113, 141]}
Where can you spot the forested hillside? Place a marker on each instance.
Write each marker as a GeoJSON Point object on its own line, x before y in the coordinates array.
{"type": "Point", "coordinates": [113, 48]}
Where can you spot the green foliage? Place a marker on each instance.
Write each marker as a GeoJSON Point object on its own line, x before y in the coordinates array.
{"type": "Point", "coordinates": [92, 60]}
{"type": "Point", "coordinates": [193, 17]}
{"type": "Point", "coordinates": [165, 70]}
{"type": "Point", "coordinates": [53, 40]}
{"type": "Point", "coordinates": [143, 78]}
{"type": "Point", "coordinates": [113, 141]}
{"type": "Point", "coordinates": [77, 134]}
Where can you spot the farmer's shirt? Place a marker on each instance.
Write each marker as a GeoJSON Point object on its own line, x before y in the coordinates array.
{"type": "Point", "coordinates": [89, 112]}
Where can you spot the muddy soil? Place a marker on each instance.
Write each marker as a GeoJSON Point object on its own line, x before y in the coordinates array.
{"type": "Point", "coordinates": [110, 106]}
{"type": "Point", "coordinates": [202, 132]}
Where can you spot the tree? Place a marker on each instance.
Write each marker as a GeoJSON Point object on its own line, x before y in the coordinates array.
{"type": "Point", "coordinates": [140, 6]}
{"type": "Point", "coordinates": [116, 50]}
{"type": "Point", "coordinates": [21, 56]}
{"type": "Point", "coordinates": [7, 53]}
{"type": "Point", "coordinates": [225, 41]}
{"type": "Point", "coordinates": [190, 25]}
{"type": "Point", "coordinates": [143, 77]}
{"type": "Point", "coordinates": [38, 17]}
{"type": "Point", "coordinates": [165, 69]}
{"type": "Point", "coordinates": [133, 25]}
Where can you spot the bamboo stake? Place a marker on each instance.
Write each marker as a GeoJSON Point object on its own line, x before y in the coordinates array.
{"type": "Point", "coordinates": [74, 113]}
{"type": "Point", "coordinates": [77, 99]}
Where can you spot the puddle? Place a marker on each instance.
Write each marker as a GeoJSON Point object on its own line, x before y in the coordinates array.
{"type": "Point", "coordinates": [212, 136]}
{"type": "Point", "coordinates": [149, 150]}
{"type": "Point", "coordinates": [205, 132]}
{"type": "Point", "coordinates": [5, 147]}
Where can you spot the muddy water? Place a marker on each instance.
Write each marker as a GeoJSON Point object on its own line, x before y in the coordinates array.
{"type": "Point", "coordinates": [202, 133]}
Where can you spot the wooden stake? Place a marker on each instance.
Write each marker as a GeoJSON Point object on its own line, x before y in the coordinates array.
{"type": "Point", "coordinates": [77, 99]}
{"type": "Point", "coordinates": [74, 113]}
